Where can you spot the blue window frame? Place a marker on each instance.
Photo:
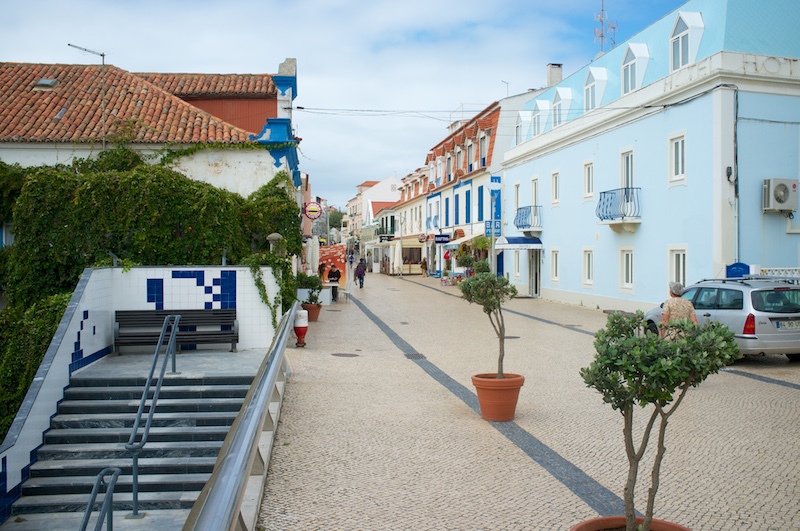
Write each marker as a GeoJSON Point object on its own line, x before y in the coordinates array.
{"type": "Point", "coordinates": [446, 211]}
{"type": "Point", "coordinates": [456, 210]}
{"type": "Point", "coordinates": [480, 203]}
{"type": "Point", "coordinates": [467, 206]}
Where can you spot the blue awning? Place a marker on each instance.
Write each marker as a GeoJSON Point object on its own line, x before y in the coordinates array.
{"type": "Point", "coordinates": [517, 242]}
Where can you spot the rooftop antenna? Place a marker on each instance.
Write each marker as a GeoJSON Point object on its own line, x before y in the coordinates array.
{"type": "Point", "coordinates": [102, 88]}
{"type": "Point", "coordinates": [606, 26]}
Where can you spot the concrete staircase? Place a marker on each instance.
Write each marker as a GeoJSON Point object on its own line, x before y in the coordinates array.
{"type": "Point", "coordinates": [94, 421]}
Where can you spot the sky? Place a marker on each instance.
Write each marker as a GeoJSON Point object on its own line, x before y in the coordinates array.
{"type": "Point", "coordinates": [379, 80]}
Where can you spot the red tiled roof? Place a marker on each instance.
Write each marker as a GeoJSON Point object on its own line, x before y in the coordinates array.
{"type": "Point", "coordinates": [211, 85]}
{"type": "Point", "coordinates": [377, 206]}
{"type": "Point", "coordinates": [71, 110]}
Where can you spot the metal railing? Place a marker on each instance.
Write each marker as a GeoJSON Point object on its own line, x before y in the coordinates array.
{"type": "Point", "coordinates": [618, 204]}
{"type": "Point", "coordinates": [170, 325]}
{"type": "Point", "coordinates": [219, 505]}
{"type": "Point", "coordinates": [107, 508]}
{"type": "Point", "coordinates": [528, 217]}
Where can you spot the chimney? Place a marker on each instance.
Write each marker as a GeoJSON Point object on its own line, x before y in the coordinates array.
{"type": "Point", "coordinates": [553, 74]}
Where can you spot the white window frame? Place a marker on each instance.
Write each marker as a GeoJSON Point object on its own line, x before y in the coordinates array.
{"type": "Point", "coordinates": [516, 263]}
{"type": "Point", "coordinates": [588, 267]}
{"type": "Point", "coordinates": [677, 159]}
{"type": "Point", "coordinates": [554, 265]}
{"type": "Point", "coordinates": [684, 40]}
{"type": "Point", "coordinates": [589, 94]}
{"type": "Point", "coordinates": [677, 263]}
{"type": "Point", "coordinates": [482, 150]}
{"type": "Point", "coordinates": [459, 159]}
{"type": "Point", "coordinates": [588, 180]}
{"type": "Point", "coordinates": [470, 156]}
{"type": "Point", "coordinates": [555, 196]}
{"type": "Point", "coordinates": [534, 191]}
{"type": "Point", "coordinates": [634, 66]}
{"type": "Point", "coordinates": [516, 197]}
{"type": "Point", "coordinates": [627, 169]}
{"type": "Point", "coordinates": [627, 269]}
{"type": "Point", "coordinates": [557, 112]}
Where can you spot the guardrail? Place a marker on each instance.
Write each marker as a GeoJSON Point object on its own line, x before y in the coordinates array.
{"type": "Point", "coordinates": [170, 324]}
{"type": "Point", "coordinates": [241, 466]}
{"type": "Point", "coordinates": [528, 217]}
{"type": "Point", "coordinates": [619, 204]}
{"type": "Point", "coordinates": [107, 508]}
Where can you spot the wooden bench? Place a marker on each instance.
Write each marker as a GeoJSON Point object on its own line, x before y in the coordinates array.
{"type": "Point", "coordinates": [143, 327]}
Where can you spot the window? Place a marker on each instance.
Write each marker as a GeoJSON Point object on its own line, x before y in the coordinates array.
{"type": "Point", "coordinates": [588, 180]}
{"type": "Point", "coordinates": [470, 156]}
{"type": "Point", "coordinates": [561, 104]}
{"type": "Point", "coordinates": [589, 93]}
{"type": "Point", "coordinates": [449, 168]}
{"type": "Point", "coordinates": [557, 112]}
{"type": "Point", "coordinates": [554, 265]}
{"type": "Point", "coordinates": [588, 267]}
{"type": "Point", "coordinates": [629, 73]}
{"type": "Point", "coordinates": [534, 191]}
{"type": "Point", "coordinates": [468, 206]}
{"type": "Point", "coordinates": [446, 211]}
{"type": "Point", "coordinates": [456, 209]}
{"type": "Point", "coordinates": [482, 148]}
{"type": "Point", "coordinates": [680, 45]}
{"type": "Point", "coordinates": [626, 269]}
{"type": "Point", "coordinates": [537, 123]}
{"type": "Point", "coordinates": [516, 264]}
{"type": "Point", "coordinates": [627, 169]}
{"type": "Point", "coordinates": [677, 265]}
{"type": "Point", "coordinates": [677, 170]}
{"type": "Point", "coordinates": [459, 160]}
{"type": "Point", "coordinates": [518, 132]}
{"type": "Point", "coordinates": [516, 197]}
{"type": "Point", "coordinates": [554, 182]}
{"type": "Point", "coordinates": [480, 203]}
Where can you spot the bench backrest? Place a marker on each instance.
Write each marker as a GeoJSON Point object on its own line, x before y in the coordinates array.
{"type": "Point", "coordinates": [141, 318]}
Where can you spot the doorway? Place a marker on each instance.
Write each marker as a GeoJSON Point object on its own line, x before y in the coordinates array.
{"type": "Point", "coordinates": [534, 273]}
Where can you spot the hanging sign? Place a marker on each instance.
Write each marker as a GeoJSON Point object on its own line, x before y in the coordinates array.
{"type": "Point", "coordinates": [313, 210]}
{"type": "Point", "coordinates": [422, 238]}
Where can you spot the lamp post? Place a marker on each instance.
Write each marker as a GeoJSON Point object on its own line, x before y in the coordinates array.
{"type": "Point", "coordinates": [402, 222]}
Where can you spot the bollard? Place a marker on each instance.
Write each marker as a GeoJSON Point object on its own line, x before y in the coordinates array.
{"type": "Point", "coordinates": [301, 327]}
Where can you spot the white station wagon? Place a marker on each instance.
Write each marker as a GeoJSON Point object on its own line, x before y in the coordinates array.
{"type": "Point", "coordinates": [762, 312]}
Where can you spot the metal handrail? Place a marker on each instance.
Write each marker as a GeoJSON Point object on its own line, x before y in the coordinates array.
{"type": "Point", "coordinates": [107, 509]}
{"type": "Point", "coordinates": [218, 506]}
{"type": "Point", "coordinates": [621, 203]}
{"type": "Point", "coordinates": [170, 321]}
{"type": "Point", "coordinates": [528, 217]}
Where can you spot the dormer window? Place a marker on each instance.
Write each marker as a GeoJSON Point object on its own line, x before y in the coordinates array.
{"type": "Point", "coordinates": [45, 84]}
{"type": "Point", "coordinates": [589, 93]}
{"type": "Point", "coordinates": [594, 87]}
{"type": "Point", "coordinates": [634, 66]}
{"type": "Point", "coordinates": [539, 118]}
{"type": "Point", "coordinates": [685, 39]}
{"type": "Point", "coordinates": [561, 104]}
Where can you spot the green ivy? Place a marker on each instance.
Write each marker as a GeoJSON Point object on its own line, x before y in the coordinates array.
{"type": "Point", "coordinates": [282, 269]}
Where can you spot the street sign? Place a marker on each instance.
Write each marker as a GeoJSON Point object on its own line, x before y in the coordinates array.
{"type": "Point", "coordinates": [313, 210]}
{"type": "Point", "coordinates": [441, 238]}
{"type": "Point", "coordinates": [422, 238]}
{"type": "Point", "coordinates": [488, 228]}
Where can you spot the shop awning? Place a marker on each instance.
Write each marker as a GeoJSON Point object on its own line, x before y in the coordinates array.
{"type": "Point", "coordinates": [409, 242]}
{"type": "Point", "coordinates": [517, 242]}
{"type": "Point", "coordinates": [454, 244]}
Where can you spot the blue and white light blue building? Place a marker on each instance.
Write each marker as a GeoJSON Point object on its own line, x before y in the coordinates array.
{"type": "Point", "coordinates": [667, 158]}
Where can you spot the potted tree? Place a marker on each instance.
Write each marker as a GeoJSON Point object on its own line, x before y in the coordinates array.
{"type": "Point", "coordinates": [634, 369]}
{"type": "Point", "coordinates": [308, 289]}
{"type": "Point", "coordinates": [466, 261]}
{"type": "Point", "coordinates": [497, 392]}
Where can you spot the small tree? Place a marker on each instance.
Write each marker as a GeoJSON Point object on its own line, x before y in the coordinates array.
{"type": "Point", "coordinates": [490, 292]}
{"type": "Point", "coordinates": [634, 367]}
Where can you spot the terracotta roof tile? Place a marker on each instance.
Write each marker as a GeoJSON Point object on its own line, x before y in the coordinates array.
{"type": "Point", "coordinates": [71, 111]}
{"type": "Point", "coordinates": [210, 85]}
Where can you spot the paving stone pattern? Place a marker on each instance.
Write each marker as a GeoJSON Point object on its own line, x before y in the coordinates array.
{"type": "Point", "coordinates": [378, 429]}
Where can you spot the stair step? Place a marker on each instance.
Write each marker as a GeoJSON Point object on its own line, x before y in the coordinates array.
{"type": "Point", "coordinates": [92, 467]}
{"type": "Point", "coordinates": [122, 502]}
{"type": "Point", "coordinates": [72, 407]}
{"type": "Point", "coordinates": [78, 380]}
{"type": "Point", "coordinates": [158, 434]}
{"type": "Point", "coordinates": [125, 420]}
{"type": "Point", "coordinates": [58, 486]}
{"type": "Point", "coordinates": [118, 451]}
{"type": "Point", "coordinates": [163, 519]}
{"type": "Point", "coordinates": [167, 391]}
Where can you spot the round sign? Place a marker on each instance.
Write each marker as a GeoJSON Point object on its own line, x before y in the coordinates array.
{"type": "Point", "coordinates": [313, 210]}
{"type": "Point", "coordinates": [422, 238]}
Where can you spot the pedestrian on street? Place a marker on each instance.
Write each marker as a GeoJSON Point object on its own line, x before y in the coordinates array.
{"type": "Point", "coordinates": [333, 276]}
{"type": "Point", "coordinates": [675, 308]}
{"type": "Point", "coordinates": [423, 265]}
{"type": "Point", "coordinates": [361, 270]}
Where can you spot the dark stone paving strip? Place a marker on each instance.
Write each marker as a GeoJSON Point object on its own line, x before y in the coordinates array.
{"type": "Point", "coordinates": [596, 496]}
{"type": "Point", "coordinates": [764, 379]}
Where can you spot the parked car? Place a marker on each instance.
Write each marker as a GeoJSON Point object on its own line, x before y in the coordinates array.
{"type": "Point", "coordinates": [762, 312]}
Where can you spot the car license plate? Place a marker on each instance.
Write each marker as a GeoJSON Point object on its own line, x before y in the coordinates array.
{"type": "Point", "coordinates": [789, 325]}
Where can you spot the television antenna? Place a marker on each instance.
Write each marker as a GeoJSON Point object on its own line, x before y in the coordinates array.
{"type": "Point", "coordinates": [102, 88]}
{"type": "Point", "coordinates": [606, 27]}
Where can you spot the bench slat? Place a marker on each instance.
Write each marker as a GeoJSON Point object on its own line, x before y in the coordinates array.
{"type": "Point", "coordinates": [143, 327]}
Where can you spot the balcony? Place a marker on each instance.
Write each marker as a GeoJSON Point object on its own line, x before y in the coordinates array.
{"type": "Point", "coordinates": [619, 209]}
{"type": "Point", "coordinates": [529, 219]}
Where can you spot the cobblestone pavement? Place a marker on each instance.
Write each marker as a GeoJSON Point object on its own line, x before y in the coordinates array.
{"type": "Point", "coordinates": [379, 428]}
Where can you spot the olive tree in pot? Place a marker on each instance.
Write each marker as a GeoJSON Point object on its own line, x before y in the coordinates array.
{"type": "Point", "coordinates": [497, 392]}
{"type": "Point", "coordinates": [466, 261]}
{"type": "Point", "coordinates": [635, 369]}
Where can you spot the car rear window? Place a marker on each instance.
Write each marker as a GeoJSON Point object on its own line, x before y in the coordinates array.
{"type": "Point", "coordinates": [776, 301]}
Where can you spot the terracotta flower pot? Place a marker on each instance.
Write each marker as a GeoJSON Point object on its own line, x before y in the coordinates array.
{"type": "Point", "coordinates": [498, 396]}
{"type": "Point", "coordinates": [313, 310]}
{"type": "Point", "coordinates": [605, 523]}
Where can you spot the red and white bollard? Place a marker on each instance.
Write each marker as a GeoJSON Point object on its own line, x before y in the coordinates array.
{"type": "Point", "coordinates": [301, 327]}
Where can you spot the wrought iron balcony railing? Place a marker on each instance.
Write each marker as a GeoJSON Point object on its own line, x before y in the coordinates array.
{"type": "Point", "coordinates": [618, 205]}
{"type": "Point", "coordinates": [528, 217]}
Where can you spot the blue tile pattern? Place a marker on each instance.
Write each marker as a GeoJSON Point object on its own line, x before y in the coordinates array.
{"type": "Point", "coordinates": [155, 292]}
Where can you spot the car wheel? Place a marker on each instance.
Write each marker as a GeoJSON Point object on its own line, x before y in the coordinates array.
{"type": "Point", "coordinates": [651, 326]}
{"type": "Point", "coordinates": [793, 357]}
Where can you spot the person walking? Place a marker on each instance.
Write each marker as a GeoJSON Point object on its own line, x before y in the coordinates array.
{"type": "Point", "coordinates": [423, 265]}
{"type": "Point", "coordinates": [675, 308]}
{"type": "Point", "coordinates": [333, 276]}
{"type": "Point", "coordinates": [361, 270]}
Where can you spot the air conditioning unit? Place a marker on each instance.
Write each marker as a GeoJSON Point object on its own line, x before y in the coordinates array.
{"type": "Point", "coordinates": [780, 195]}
